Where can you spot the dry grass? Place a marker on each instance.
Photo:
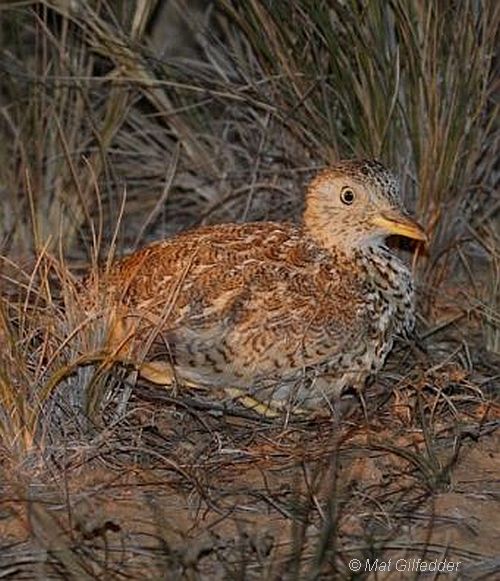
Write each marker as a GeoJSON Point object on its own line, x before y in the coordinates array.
{"type": "Point", "coordinates": [107, 143]}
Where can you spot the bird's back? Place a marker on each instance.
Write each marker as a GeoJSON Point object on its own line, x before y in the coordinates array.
{"type": "Point", "coordinates": [240, 302]}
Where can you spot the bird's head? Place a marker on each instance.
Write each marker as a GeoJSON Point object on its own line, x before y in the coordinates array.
{"type": "Point", "coordinates": [355, 204]}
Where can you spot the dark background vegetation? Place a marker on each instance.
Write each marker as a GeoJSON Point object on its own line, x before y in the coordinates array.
{"type": "Point", "coordinates": [122, 122]}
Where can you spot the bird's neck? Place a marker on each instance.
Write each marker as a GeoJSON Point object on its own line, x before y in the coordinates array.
{"type": "Point", "coordinates": [390, 280]}
{"type": "Point", "coordinates": [383, 267]}
{"type": "Point", "coordinates": [331, 235]}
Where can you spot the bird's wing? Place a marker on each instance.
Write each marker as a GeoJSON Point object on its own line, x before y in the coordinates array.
{"type": "Point", "coordinates": [274, 324]}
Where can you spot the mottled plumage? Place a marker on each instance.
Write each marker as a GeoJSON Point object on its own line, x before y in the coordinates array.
{"type": "Point", "coordinates": [281, 314]}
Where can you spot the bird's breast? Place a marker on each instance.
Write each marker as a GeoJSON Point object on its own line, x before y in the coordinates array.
{"type": "Point", "coordinates": [390, 293]}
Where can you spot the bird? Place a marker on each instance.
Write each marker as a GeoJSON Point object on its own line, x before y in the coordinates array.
{"type": "Point", "coordinates": [280, 316]}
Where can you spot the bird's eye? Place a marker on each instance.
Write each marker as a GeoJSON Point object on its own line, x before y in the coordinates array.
{"type": "Point", "coordinates": [347, 196]}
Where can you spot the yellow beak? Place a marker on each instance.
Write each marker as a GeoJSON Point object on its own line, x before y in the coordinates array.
{"type": "Point", "coordinates": [393, 222]}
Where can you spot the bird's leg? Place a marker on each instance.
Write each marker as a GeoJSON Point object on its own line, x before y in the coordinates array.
{"type": "Point", "coordinates": [163, 373]}
{"type": "Point", "coordinates": [158, 372]}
